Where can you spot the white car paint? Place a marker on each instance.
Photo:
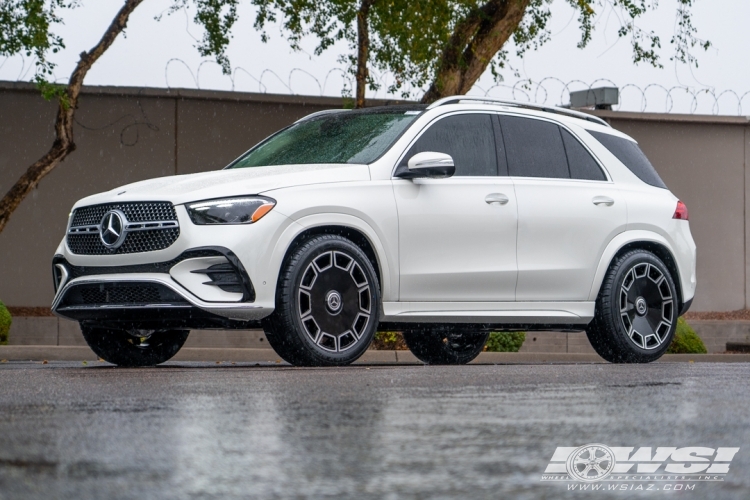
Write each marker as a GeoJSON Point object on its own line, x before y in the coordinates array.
{"type": "Point", "coordinates": [444, 253]}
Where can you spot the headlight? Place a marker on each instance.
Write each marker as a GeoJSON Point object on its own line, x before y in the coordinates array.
{"type": "Point", "coordinates": [245, 210]}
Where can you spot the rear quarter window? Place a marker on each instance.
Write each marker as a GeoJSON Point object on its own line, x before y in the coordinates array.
{"type": "Point", "coordinates": [631, 156]}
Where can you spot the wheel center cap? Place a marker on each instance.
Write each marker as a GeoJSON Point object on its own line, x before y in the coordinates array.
{"type": "Point", "coordinates": [333, 302]}
{"type": "Point", "coordinates": [640, 306]}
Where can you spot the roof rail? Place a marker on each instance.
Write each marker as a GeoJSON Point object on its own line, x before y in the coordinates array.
{"type": "Point", "coordinates": [517, 104]}
{"type": "Point", "coordinates": [320, 113]}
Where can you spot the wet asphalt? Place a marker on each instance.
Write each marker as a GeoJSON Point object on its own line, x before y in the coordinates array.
{"type": "Point", "coordinates": [201, 430]}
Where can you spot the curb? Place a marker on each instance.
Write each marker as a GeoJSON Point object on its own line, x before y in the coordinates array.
{"type": "Point", "coordinates": [371, 357]}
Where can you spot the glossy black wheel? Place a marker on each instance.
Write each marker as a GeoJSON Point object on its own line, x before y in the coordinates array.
{"type": "Point", "coordinates": [326, 304]}
{"type": "Point", "coordinates": [134, 347]}
{"type": "Point", "coordinates": [445, 344]}
{"type": "Point", "coordinates": [636, 311]}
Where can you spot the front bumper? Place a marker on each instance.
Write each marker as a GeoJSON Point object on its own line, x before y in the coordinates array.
{"type": "Point", "coordinates": [249, 248]}
{"type": "Point", "coordinates": [201, 288]}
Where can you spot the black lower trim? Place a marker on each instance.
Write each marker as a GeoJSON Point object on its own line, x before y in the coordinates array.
{"type": "Point", "coordinates": [483, 327]}
{"type": "Point", "coordinates": [157, 317]}
{"type": "Point", "coordinates": [686, 306]}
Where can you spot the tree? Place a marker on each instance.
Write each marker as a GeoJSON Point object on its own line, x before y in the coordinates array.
{"type": "Point", "coordinates": [329, 21]}
{"type": "Point", "coordinates": [452, 56]}
{"type": "Point", "coordinates": [25, 28]}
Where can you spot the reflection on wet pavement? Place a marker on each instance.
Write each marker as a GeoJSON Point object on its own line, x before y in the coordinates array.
{"type": "Point", "coordinates": [188, 430]}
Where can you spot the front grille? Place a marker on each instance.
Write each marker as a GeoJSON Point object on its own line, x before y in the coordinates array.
{"type": "Point", "coordinates": [121, 294]}
{"type": "Point", "coordinates": [135, 242]}
{"type": "Point", "coordinates": [135, 212]}
{"type": "Point", "coordinates": [149, 240]}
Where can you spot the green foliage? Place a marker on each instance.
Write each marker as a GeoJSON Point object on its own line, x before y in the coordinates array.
{"type": "Point", "coordinates": [25, 29]}
{"type": "Point", "coordinates": [505, 341]}
{"type": "Point", "coordinates": [53, 91]}
{"type": "Point", "coordinates": [5, 321]}
{"type": "Point", "coordinates": [388, 341]}
{"type": "Point", "coordinates": [217, 18]}
{"type": "Point", "coordinates": [686, 341]}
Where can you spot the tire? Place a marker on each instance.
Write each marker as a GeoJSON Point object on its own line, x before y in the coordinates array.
{"type": "Point", "coordinates": [128, 349]}
{"type": "Point", "coordinates": [327, 304]}
{"type": "Point", "coordinates": [636, 311]}
{"type": "Point", "coordinates": [445, 345]}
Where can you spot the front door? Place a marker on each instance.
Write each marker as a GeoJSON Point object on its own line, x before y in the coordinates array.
{"type": "Point", "coordinates": [457, 236]}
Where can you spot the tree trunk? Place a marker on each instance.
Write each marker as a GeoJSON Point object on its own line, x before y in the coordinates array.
{"type": "Point", "coordinates": [476, 39]}
{"type": "Point", "coordinates": [363, 51]}
{"type": "Point", "coordinates": [63, 144]}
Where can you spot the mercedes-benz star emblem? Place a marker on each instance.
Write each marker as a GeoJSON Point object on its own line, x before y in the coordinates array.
{"type": "Point", "coordinates": [112, 229]}
{"type": "Point", "coordinates": [333, 301]}
{"type": "Point", "coordinates": [640, 306]}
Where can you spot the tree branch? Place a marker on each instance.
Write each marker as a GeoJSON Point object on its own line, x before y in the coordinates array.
{"type": "Point", "coordinates": [363, 50]}
{"type": "Point", "coordinates": [474, 42]}
{"type": "Point", "coordinates": [63, 144]}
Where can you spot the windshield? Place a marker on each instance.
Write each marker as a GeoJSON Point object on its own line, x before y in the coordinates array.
{"type": "Point", "coordinates": [345, 137]}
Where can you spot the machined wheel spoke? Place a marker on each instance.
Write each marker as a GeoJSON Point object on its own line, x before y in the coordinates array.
{"type": "Point", "coordinates": [646, 305]}
{"type": "Point", "coordinates": [334, 301]}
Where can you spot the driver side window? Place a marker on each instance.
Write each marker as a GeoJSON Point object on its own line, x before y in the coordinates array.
{"type": "Point", "coordinates": [468, 138]}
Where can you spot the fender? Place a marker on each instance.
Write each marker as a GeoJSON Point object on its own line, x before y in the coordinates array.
{"type": "Point", "coordinates": [620, 241]}
{"type": "Point", "coordinates": [388, 275]}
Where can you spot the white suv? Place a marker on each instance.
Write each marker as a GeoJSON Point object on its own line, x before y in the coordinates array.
{"type": "Point", "coordinates": [444, 222]}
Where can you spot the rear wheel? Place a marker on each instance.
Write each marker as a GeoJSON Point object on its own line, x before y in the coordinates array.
{"type": "Point", "coordinates": [327, 304]}
{"type": "Point", "coordinates": [445, 345]}
{"type": "Point", "coordinates": [636, 311]}
{"type": "Point", "coordinates": [134, 347]}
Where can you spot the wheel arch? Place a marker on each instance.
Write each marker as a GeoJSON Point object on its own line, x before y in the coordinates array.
{"type": "Point", "coordinates": [642, 240]}
{"type": "Point", "coordinates": [352, 228]}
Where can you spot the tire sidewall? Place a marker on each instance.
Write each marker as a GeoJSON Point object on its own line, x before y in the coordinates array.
{"type": "Point", "coordinates": [115, 346]}
{"type": "Point", "coordinates": [427, 344]}
{"type": "Point", "coordinates": [620, 335]}
{"type": "Point", "coordinates": [302, 261]}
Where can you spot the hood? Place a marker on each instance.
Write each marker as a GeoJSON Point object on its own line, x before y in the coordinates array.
{"type": "Point", "coordinates": [180, 189]}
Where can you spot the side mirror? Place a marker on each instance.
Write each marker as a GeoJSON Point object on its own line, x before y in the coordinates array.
{"type": "Point", "coordinates": [429, 164]}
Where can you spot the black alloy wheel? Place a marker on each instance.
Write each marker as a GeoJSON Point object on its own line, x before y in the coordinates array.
{"type": "Point", "coordinates": [636, 311]}
{"type": "Point", "coordinates": [327, 304]}
{"type": "Point", "coordinates": [445, 344]}
{"type": "Point", "coordinates": [134, 347]}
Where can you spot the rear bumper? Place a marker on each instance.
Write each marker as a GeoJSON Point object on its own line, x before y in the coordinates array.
{"type": "Point", "coordinates": [686, 306]}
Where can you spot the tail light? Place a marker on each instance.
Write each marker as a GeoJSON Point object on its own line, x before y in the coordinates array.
{"type": "Point", "coordinates": [681, 212]}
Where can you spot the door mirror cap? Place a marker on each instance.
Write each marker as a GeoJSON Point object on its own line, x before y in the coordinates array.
{"type": "Point", "coordinates": [429, 164]}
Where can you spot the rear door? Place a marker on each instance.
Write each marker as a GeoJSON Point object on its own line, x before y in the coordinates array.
{"type": "Point", "coordinates": [457, 236]}
{"type": "Point", "coordinates": [568, 210]}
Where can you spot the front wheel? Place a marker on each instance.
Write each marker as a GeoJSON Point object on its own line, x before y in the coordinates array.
{"type": "Point", "coordinates": [445, 345]}
{"type": "Point", "coordinates": [327, 304]}
{"type": "Point", "coordinates": [134, 347]}
{"type": "Point", "coordinates": [636, 311]}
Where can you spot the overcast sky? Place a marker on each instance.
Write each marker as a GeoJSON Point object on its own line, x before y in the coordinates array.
{"type": "Point", "coordinates": [162, 54]}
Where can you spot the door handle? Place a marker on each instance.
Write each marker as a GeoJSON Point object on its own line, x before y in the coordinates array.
{"type": "Point", "coordinates": [496, 199]}
{"type": "Point", "coordinates": [603, 200]}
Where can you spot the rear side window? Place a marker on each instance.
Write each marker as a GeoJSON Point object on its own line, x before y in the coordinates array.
{"type": "Point", "coordinates": [631, 156]}
{"type": "Point", "coordinates": [534, 148]}
{"type": "Point", "coordinates": [469, 139]}
{"type": "Point", "coordinates": [582, 164]}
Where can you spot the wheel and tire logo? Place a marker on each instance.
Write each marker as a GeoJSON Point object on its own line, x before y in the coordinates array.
{"type": "Point", "coordinates": [335, 300]}
{"type": "Point", "coordinates": [591, 462]}
{"type": "Point", "coordinates": [646, 306]}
